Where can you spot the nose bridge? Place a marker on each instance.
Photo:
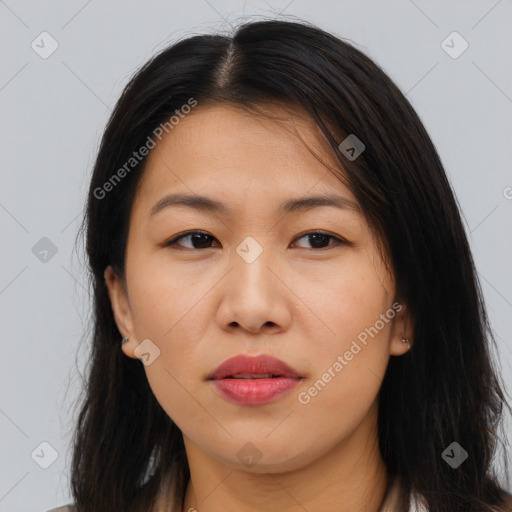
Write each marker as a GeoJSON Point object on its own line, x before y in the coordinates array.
{"type": "Point", "coordinates": [254, 298]}
{"type": "Point", "coordinates": [251, 260]}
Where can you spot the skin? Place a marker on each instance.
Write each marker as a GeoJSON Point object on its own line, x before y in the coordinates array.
{"type": "Point", "coordinates": [300, 302]}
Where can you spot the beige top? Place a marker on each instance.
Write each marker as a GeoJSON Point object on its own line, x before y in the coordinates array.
{"type": "Point", "coordinates": [416, 503]}
{"type": "Point", "coordinates": [389, 505]}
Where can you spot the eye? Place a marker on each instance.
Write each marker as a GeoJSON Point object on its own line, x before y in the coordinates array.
{"type": "Point", "coordinates": [200, 238]}
{"type": "Point", "coordinates": [203, 240]}
{"type": "Point", "coordinates": [321, 238]}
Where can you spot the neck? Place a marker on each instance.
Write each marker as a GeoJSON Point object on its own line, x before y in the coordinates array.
{"type": "Point", "coordinates": [351, 476]}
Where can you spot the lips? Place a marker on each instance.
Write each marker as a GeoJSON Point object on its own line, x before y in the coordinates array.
{"type": "Point", "coordinates": [251, 381]}
{"type": "Point", "coordinates": [253, 367]}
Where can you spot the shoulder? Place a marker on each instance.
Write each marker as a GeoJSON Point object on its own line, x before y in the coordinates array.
{"type": "Point", "coordinates": [64, 508]}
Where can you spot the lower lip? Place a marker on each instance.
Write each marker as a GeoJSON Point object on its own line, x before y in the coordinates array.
{"type": "Point", "coordinates": [254, 391]}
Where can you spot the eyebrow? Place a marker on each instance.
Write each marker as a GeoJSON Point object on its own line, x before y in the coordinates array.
{"type": "Point", "coordinates": [207, 204]}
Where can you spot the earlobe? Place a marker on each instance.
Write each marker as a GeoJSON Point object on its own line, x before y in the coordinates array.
{"type": "Point", "coordinates": [121, 310]}
{"type": "Point", "coordinates": [403, 333]}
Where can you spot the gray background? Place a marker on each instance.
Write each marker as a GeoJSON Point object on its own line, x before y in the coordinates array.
{"type": "Point", "coordinates": [53, 114]}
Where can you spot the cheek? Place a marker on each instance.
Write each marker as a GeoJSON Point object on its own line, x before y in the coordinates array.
{"type": "Point", "coordinates": [347, 376]}
{"type": "Point", "coordinates": [168, 307]}
{"type": "Point", "coordinates": [350, 298]}
{"type": "Point", "coordinates": [175, 394]}
{"type": "Point", "coordinates": [164, 296]}
{"type": "Point", "coordinates": [350, 361]}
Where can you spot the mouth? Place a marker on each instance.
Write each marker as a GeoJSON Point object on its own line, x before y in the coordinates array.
{"type": "Point", "coordinates": [253, 376]}
{"type": "Point", "coordinates": [249, 380]}
{"type": "Point", "coordinates": [244, 366]}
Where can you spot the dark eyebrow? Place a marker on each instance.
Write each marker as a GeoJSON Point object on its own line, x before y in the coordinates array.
{"type": "Point", "coordinates": [207, 204]}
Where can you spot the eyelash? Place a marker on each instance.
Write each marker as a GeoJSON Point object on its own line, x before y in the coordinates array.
{"type": "Point", "coordinates": [338, 240]}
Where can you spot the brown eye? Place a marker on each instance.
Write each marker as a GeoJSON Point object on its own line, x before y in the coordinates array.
{"type": "Point", "coordinates": [198, 240]}
{"type": "Point", "coordinates": [320, 239]}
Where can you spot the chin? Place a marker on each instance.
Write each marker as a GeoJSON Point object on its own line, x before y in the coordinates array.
{"type": "Point", "coordinates": [264, 457]}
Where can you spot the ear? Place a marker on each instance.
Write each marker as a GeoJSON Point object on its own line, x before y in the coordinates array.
{"type": "Point", "coordinates": [121, 308]}
{"type": "Point", "coordinates": [403, 329]}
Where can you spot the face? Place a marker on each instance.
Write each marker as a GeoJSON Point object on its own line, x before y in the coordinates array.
{"type": "Point", "coordinates": [304, 284]}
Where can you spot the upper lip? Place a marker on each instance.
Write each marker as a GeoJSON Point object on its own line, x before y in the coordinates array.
{"type": "Point", "coordinates": [246, 364]}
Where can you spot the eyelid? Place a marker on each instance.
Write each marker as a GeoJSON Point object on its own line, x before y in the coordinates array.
{"type": "Point", "coordinates": [339, 240]}
{"type": "Point", "coordinates": [179, 236]}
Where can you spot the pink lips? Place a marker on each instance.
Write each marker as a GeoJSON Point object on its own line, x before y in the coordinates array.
{"type": "Point", "coordinates": [253, 380]}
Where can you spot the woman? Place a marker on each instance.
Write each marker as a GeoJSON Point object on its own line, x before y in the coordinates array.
{"type": "Point", "coordinates": [272, 236]}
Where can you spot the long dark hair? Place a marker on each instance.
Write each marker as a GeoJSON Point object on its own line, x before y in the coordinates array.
{"type": "Point", "coordinates": [444, 390]}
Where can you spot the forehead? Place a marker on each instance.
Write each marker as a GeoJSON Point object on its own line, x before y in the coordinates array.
{"type": "Point", "coordinates": [236, 155]}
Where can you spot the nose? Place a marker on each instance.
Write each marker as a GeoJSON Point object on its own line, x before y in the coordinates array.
{"type": "Point", "coordinates": [255, 297]}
